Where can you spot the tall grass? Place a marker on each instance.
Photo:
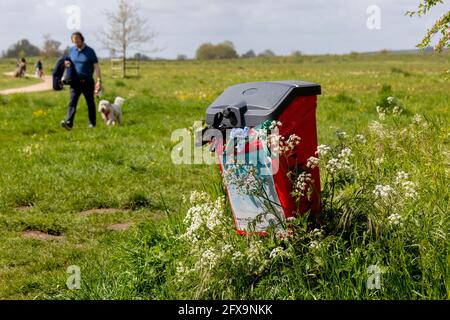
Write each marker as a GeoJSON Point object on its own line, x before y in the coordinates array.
{"type": "Point", "coordinates": [389, 215]}
{"type": "Point", "coordinates": [49, 177]}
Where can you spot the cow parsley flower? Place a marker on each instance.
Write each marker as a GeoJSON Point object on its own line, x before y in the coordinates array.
{"type": "Point", "coordinates": [382, 191]}
{"type": "Point", "coordinates": [417, 119]}
{"type": "Point", "coordinates": [198, 197]}
{"type": "Point", "coordinates": [314, 244]}
{"type": "Point", "coordinates": [381, 113]}
{"type": "Point", "coordinates": [254, 252]}
{"type": "Point", "coordinates": [409, 188]}
{"type": "Point", "coordinates": [312, 162]}
{"type": "Point", "coordinates": [378, 129]}
{"type": "Point", "coordinates": [290, 144]}
{"type": "Point", "coordinates": [379, 161]}
{"type": "Point", "coordinates": [209, 259]}
{"type": "Point", "coordinates": [341, 163]}
{"type": "Point", "coordinates": [227, 248]}
{"type": "Point", "coordinates": [401, 176]}
{"type": "Point", "coordinates": [395, 220]}
{"type": "Point", "coordinates": [278, 251]}
{"type": "Point", "coordinates": [317, 233]}
{"type": "Point", "coordinates": [303, 183]}
{"type": "Point", "coordinates": [323, 150]}
{"type": "Point", "coordinates": [275, 125]}
{"type": "Point", "coordinates": [284, 234]}
{"type": "Point", "coordinates": [341, 134]}
{"type": "Point", "coordinates": [361, 139]}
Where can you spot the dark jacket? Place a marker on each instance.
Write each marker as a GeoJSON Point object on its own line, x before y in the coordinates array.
{"type": "Point", "coordinates": [58, 73]}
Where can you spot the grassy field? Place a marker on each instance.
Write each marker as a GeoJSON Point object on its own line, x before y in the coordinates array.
{"type": "Point", "coordinates": [81, 188]}
{"type": "Point", "coordinates": [7, 82]}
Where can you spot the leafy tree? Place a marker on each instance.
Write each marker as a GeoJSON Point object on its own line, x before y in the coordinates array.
{"type": "Point", "coordinates": [182, 57]}
{"type": "Point", "coordinates": [209, 51]}
{"type": "Point", "coordinates": [441, 26]}
{"type": "Point", "coordinates": [21, 49]}
{"type": "Point", "coordinates": [50, 49]}
{"type": "Point", "coordinates": [267, 53]}
{"type": "Point", "coordinates": [249, 54]}
{"type": "Point", "coordinates": [141, 56]}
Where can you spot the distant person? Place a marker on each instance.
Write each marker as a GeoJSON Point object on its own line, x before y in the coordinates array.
{"type": "Point", "coordinates": [21, 69]}
{"type": "Point", "coordinates": [39, 69]}
{"type": "Point", "coordinates": [86, 63]}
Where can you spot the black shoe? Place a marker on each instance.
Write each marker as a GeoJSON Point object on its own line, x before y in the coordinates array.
{"type": "Point", "coordinates": [65, 125]}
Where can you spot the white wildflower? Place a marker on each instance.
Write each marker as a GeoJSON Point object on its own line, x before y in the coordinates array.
{"type": "Point", "coordinates": [275, 125]}
{"type": "Point", "coordinates": [341, 134]}
{"type": "Point", "coordinates": [237, 256]}
{"type": "Point", "coordinates": [254, 252]}
{"type": "Point", "coordinates": [345, 153]}
{"type": "Point", "coordinates": [409, 188]}
{"type": "Point", "coordinates": [227, 248]}
{"type": "Point", "coordinates": [333, 165]}
{"type": "Point", "coordinates": [395, 220]}
{"type": "Point", "coordinates": [379, 161]}
{"type": "Point", "coordinates": [401, 176]}
{"type": "Point", "coordinates": [378, 129]}
{"type": "Point", "coordinates": [290, 144]}
{"type": "Point", "coordinates": [303, 183]}
{"type": "Point", "coordinates": [382, 191]}
{"type": "Point", "coordinates": [361, 139]}
{"type": "Point", "coordinates": [417, 119]}
{"type": "Point", "coordinates": [209, 259]}
{"type": "Point", "coordinates": [381, 113]}
{"type": "Point", "coordinates": [181, 269]}
{"type": "Point", "coordinates": [215, 216]}
{"type": "Point", "coordinates": [284, 234]}
{"type": "Point", "coordinates": [278, 251]}
{"type": "Point", "coordinates": [198, 197]}
{"type": "Point", "coordinates": [244, 177]}
{"type": "Point", "coordinates": [312, 162]}
{"type": "Point", "coordinates": [203, 216]}
{"type": "Point", "coordinates": [322, 150]}
{"type": "Point", "coordinates": [397, 110]}
{"type": "Point", "coordinates": [317, 233]}
{"type": "Point", "coordinates": [341, 163]}
{"type": "Point", "coordinates": [314, 244]}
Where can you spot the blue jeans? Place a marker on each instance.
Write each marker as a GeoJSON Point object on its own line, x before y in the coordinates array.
{"type": "Point", "coordinates": [85, 87]}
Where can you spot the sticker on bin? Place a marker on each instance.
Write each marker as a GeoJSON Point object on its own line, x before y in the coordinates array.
{"type": "Point", "coordinates": [252, 194]}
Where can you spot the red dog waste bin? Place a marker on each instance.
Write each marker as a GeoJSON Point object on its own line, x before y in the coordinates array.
{"type": "Point", "coordinates": [239, 113]}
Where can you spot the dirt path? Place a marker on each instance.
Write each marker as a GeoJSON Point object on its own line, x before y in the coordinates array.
{"type": "Point", "coordinates": [43, 86]}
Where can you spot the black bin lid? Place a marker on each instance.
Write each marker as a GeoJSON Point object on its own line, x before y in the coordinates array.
{"type": "Point", "coordinates": [264, 100]}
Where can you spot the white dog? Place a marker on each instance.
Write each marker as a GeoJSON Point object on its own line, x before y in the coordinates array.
{"type": "Point", "coordinates": [111, 113]}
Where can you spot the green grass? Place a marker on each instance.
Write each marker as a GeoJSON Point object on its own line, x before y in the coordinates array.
{"type": "Point", "coordinates": [8, 82]}
{"type": "Point", "coordinates": [60, 174]}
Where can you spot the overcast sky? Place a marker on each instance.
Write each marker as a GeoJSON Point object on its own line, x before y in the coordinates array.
{"type": "Point", "coordinates": [313, 27]}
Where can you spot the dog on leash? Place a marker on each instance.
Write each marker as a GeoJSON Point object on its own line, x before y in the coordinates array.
{"type": "Point", "coordinates": [111, 113]}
